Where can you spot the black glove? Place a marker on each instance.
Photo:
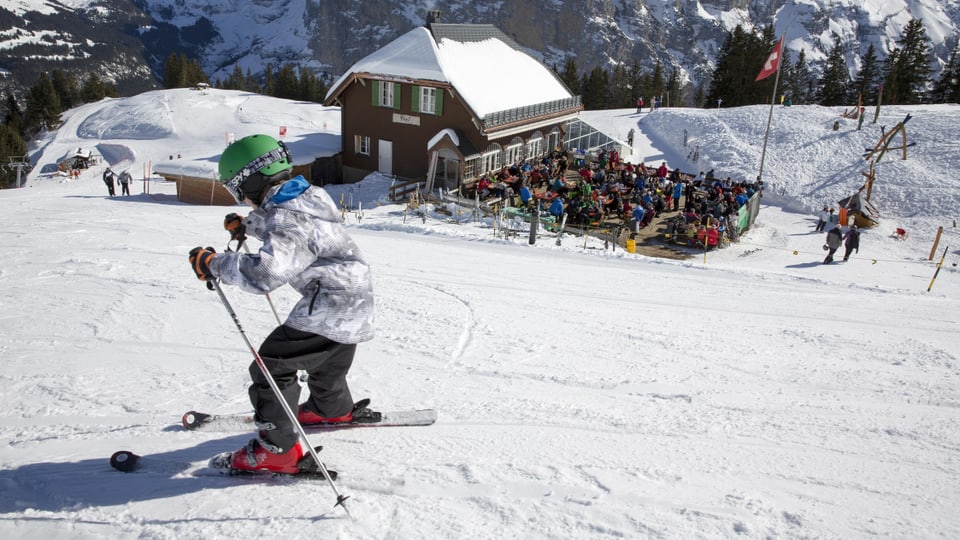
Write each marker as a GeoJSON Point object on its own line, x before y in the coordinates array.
{"type": "Point", "coordinates": [200, 262]}
{"type": "Point", "coordinates": [233, 223]}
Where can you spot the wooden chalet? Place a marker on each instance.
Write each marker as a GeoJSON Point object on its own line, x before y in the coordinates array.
{"type": "Point", "coordinates": [446, 103]}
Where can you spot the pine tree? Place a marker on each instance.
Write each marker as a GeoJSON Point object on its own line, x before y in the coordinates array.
{"type": "Point", "coordinates": [67, 89]}
{"type": "Point", "coordinates": [699, 97]}
{"type": "Point", "coordinates": [833, 87]}
{"type": "Point", "coordinates": [14, 117]}
{"type": "Point", "coordinates": [268, 81]}
{"type": "Point", "coordinates": [193, 74]}
{"type": "Point", "coordinates": [642, 81]}
{"type": "Point", "coordinates": [738, 62]}
{"type": "Point", "coordinates": [173, 71]}
{"type": "Point", "coordinates": [311, 87]}
{"type": "Point", "coordinates": [636, 83]}
{"type": "Point", "coordinates": [907, 72]}
{"type": "Point", "coordinates": [11, 144]}
{"type": "Point", "coordinates": [674, 88]}
{"type": "Point", "coordinates": [805, 86]}
{"type": "Point", "coordinates": [947, 88]}
{"type": "Point", "coordinates": [789, 82]}
{"type": "Point", "coordinates": [596, 89]}
{"type": "Point", "coordinates": [43, 106]}
{"type": "Point", "coordinates": [656, 86]}
{"type": "Point", "coordinates": [570, 76]}
{"type": "Point", "coordinates": [251, 84]}
{"type": "Point", "coordinates": [868, 78]}
{"type": "Point", "coordinates": [93, 89]}
{"type": "Point", "coordinates": [236, 80]}
{"type": "Point", "coordinates": [286, 86]}
{"type": "Point", "coordinates": [620, 88]}
{"type": "Point", "coordinates": [181, 72]}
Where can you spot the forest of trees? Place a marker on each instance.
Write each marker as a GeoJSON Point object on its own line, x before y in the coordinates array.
{"type": "Point", "coordinates": [904, 77]}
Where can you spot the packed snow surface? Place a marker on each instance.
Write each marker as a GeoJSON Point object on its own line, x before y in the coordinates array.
{"type": "Point", "coordinates": [750, 392]}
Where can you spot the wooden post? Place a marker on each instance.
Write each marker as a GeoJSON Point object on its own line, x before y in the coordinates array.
{"type": "Point", "coordinates": [936, 242]}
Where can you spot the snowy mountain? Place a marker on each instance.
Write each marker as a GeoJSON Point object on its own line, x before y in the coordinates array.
{"type": "Point", "coordinates": [582, 393]}
{"type": "Point", "coordinates": [125, 39]}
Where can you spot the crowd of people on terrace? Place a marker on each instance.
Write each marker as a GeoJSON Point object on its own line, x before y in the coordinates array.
{"type": "Point", "coordinates": [609, 190]}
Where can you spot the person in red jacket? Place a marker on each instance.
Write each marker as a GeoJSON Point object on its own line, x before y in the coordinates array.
{"type": "Point", "coordinates": [663, 171]}
{"type": "Point", "coordinates": [713, 237]}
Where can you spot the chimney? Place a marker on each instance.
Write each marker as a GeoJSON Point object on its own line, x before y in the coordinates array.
{"type": "Point", "coordinates": [433, 16]}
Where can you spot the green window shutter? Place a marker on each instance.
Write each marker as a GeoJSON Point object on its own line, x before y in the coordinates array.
{"type": "Point", "coordinates": [439, 104]}
{"type": "Point", "coordinates": [396, 96]}
{"type": "Point", "coordinates": [415, 99]}
{"type": "Point", "coordinates": [374, 93]}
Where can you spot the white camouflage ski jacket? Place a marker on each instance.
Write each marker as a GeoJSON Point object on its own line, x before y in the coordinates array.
{"type": "Point", "coordinates": [306, 246]}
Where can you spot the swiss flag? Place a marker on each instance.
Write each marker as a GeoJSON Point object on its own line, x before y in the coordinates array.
{"type": "Point", "coordinates": [772, 63]}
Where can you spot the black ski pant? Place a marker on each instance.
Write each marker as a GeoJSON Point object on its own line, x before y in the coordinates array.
{"type": "Point", "coordinates": [829, 258]}
{"type": "Point", "coordinates": [326, 362]}
{"type": "Point", "coordinates": [125, 188]}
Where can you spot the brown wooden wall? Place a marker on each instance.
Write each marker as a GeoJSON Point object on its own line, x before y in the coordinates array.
{"type": "Point", "coordinates": [410, 158]}
{"type": "Point", "coordinates": [201, 191]}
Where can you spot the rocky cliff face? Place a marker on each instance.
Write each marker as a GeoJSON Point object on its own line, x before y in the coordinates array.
{"type": "Point", "coordinates": [127, 40]}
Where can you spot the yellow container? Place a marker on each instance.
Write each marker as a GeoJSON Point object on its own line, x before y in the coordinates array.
{"type": "Point", "coordinates": [631, 246]}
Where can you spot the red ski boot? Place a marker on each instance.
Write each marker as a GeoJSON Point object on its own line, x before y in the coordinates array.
{"type": "Point", "coordinates": [258, 455]}
{"type": "Point", "coordinates": [360, 414]}
{"type": "Point", "coordinates": [308, 417]}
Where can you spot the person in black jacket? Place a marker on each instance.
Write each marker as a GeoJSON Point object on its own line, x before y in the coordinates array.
{"type": "Point", "coordinates": [851, 241]}
{"type": "Point", "coordinates": [108, 180]}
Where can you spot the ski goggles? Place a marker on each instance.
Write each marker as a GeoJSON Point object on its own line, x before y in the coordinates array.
{"type": "Point", "coordinates": [234, 185]}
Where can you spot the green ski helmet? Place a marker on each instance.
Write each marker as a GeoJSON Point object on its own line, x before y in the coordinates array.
{"type": "Point", "coordinates": [250, 164]}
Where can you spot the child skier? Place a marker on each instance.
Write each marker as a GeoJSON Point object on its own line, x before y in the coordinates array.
{"type": "Point", "coordinates": [306, 247]}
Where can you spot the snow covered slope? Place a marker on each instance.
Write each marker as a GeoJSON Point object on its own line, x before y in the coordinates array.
{"type": "Point", "coordinates": [582, 393]}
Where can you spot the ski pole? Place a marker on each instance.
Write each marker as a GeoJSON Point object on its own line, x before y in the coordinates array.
{"type": "Point", "coordinates": [939, 265]}
{"type": "Point", "coordinates": [341, 499]}
{"type": "Point", "coordinates": [239, 234]}
{"type": "Point", "coordinates": [269, 300]}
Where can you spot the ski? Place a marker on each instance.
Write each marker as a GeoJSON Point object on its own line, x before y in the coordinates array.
{"type": "Point", "coordinates": [563, 225]}
{"type": "Point", "coordinates": [534, 223]}
{"type": "Point", "coordinates": [219, 465]}
{"type": "Point", "coordinates": [195, 420]}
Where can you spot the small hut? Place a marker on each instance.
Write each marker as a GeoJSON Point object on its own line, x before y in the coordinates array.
{"type": "Point", "coordinates": [859, 209]}
{"type": "Point", "coordinates": [199, 187]}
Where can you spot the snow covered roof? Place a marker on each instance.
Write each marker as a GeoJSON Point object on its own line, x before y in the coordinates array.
{"type": "Point", "coordinates": [413, 55]}
{"type": "Point", "coordinates": [486, 67]}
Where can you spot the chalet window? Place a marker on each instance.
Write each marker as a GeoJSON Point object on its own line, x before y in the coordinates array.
{"type": "Point", "coordinates": [535, 146]}
{"type": "Point", "coordinates": [470, 167]}
{"type": "Point", "coordinates": [514, 151]}
{"type": "Point", "coordinates": [362, 144]}
{"type": "Point", "coordinates": [428, 103]}
{"type": "Point", "coordinates": [385, 94]}
{"type": "Point", "coordinates": [490, 161]}
{"type": "Point", "coordinates": [427, 100]}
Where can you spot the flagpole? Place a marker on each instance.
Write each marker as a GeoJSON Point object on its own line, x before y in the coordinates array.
{"type": "Point", "coordinates": [773, 99]}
